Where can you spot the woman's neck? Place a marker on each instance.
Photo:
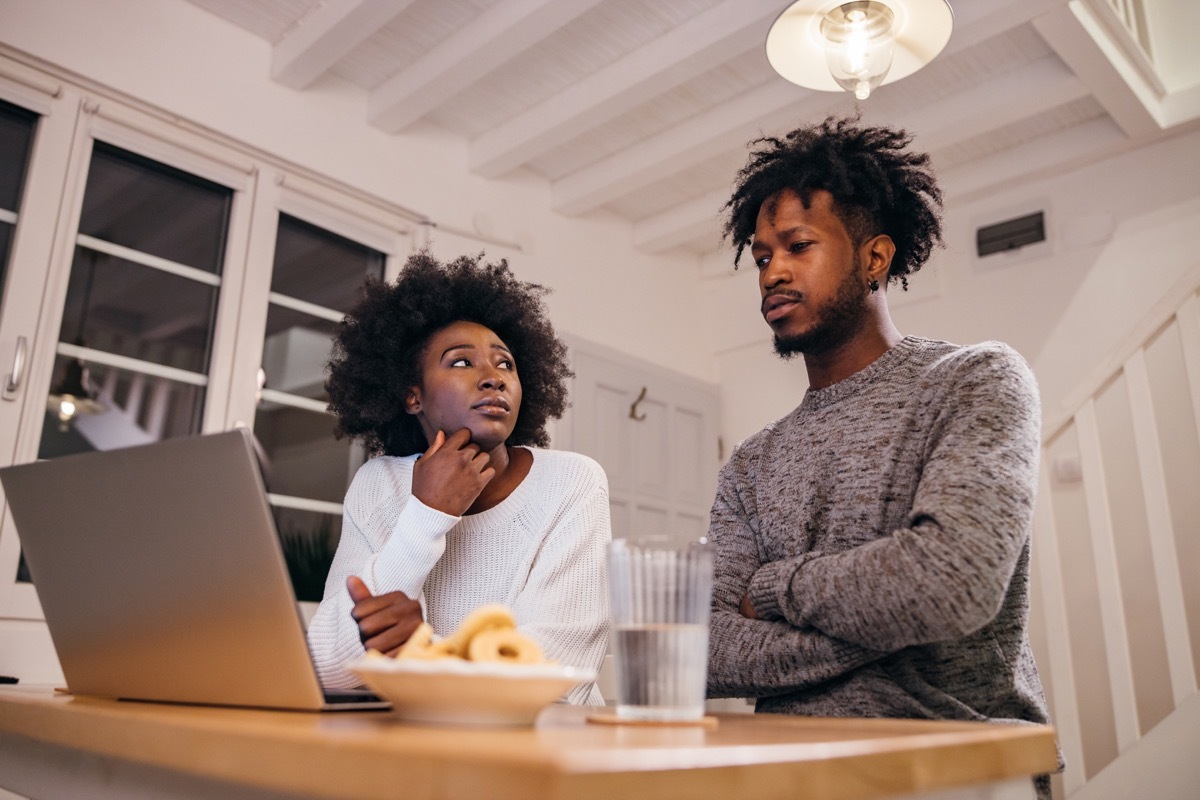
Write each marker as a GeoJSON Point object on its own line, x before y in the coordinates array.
{"type": "Point", "coordinates": [512, 465]}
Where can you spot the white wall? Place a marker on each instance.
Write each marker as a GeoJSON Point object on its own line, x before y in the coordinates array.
{"type": "Point", "coordinates": [1121, 232]}
{"type": "Point", "coordinates": [182, 59]}
{"type": "Point", "coordinates": [1120, 235]}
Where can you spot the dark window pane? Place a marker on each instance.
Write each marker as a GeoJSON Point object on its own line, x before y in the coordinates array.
{"type": "Point", "coordinates": [319, 267]}
{"type": "Point", "coordinates": [309, 541]}
{"type": "Point", "coordinates": [16, 136]}
{"type": "Point", "coordinates": [295, 351]}
{"type": "Point", "coordinates": [155, 209]}
{"type": "Point", "coordinates": [127, 308]}
{"type": "Point", "coordinates": [303, 459]}
{"type": "Point", "coordinates": [132, 409]}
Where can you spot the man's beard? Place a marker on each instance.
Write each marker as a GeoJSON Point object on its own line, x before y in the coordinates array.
{"type": "Point", "coordinates": [835, 323]}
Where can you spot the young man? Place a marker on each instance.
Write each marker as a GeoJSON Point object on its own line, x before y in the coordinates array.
{"type": "Point", "coordinates": [872, 545]}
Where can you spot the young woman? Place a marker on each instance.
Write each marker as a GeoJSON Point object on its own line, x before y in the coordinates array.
{"type": "Point", "coordinates": [448, 376]}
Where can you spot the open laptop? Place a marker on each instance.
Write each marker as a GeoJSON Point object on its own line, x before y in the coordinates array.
{"type": "Point", "coordinates": [162, 577]}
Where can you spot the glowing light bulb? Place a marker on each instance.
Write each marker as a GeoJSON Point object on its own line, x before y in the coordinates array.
{"type": "Point", "coordinates": [858, 45]}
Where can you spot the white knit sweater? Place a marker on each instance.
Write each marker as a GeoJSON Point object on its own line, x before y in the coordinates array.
{"type": "Point", "coordinates": [541, 552]}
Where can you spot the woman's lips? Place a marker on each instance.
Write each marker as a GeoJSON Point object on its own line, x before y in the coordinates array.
{"type": "Point", "coordinates": [493, 407]}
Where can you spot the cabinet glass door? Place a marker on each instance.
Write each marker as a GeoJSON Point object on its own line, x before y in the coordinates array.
{"type": "Point", "coordinates": [134, 344]}
{"type": "Point", "coordinates": [314, 283]}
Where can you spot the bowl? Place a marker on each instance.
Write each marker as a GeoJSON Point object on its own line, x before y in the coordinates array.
{"type": "Point", "coordinates": [452, 691]}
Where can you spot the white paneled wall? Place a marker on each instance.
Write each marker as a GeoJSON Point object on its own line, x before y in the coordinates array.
{"type": "Point", "coordinates": [1117, 543]}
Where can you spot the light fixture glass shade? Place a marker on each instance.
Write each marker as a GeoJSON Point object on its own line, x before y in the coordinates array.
{"type": "Point", "coordinates": [858, 45]}
{"type": "Point", "coordinates": [798, 50]}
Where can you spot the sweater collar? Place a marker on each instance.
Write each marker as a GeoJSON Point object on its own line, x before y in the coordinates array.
{"type": "Point", "coordinates": [896, 355]}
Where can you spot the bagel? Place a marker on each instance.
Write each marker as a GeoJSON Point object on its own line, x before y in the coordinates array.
{"type": "Point", "coordinates": [481, 619]}
{"type": "Point", "coordinates": [506, 645]}
{"type": "Point", "coordinates": [420, 644]}
{"type": "Point", "coordinates": [489, 633]}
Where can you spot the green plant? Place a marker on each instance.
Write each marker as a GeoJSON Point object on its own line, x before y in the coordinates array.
{"type": "Point", "coordinates": [309, 554]}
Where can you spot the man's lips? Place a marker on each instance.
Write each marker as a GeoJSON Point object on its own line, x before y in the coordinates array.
{"type": "Point", "coordinates": [778, 304]}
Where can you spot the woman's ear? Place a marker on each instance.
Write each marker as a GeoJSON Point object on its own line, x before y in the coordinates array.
{"type": "Point", "coordinates": [412, 400]}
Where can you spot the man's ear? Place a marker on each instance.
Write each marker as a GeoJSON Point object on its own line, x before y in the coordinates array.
{"type": "Point", "coordinates": [879, 251]}
{"type": "Point", "coordinates": [412, 400]}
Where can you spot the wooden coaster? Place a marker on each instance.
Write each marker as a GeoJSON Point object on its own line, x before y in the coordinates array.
{"type": "Point", "coordinates": [706, 722]}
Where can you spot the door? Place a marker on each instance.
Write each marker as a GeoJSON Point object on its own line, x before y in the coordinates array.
{"type": "Point", "coordinates": [655, 433]}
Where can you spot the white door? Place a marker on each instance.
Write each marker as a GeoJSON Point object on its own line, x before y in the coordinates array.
{"type": "Point", "coordinates": [655, 433]}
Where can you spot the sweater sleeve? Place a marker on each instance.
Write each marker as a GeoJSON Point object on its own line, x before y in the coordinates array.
{"type": "Point", "coordinates": [389, 551]}
{"type": "Point", "coordinates": [564, 603]}
{"type": "Point", "coordinates": [945, 574]}
{"type": "Point", "coordinates": [756, 658]}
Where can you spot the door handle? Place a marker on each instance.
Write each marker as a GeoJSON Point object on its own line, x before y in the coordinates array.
{"type": "Point", "coordinates": [13, 381]}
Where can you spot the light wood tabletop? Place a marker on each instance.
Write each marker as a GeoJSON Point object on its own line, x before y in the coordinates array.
{"type": "Point", "coordinates": [375, 754]}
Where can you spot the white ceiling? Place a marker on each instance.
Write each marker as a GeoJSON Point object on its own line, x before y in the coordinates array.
{"type": "Point", "coordinates": [645, 107]}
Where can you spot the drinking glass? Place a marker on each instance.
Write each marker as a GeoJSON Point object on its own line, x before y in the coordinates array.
{"type": "Point", "coordinates": [660, 599]}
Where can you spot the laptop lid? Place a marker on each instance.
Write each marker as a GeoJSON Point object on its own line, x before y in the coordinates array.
{"type": "Point", "coordinates": [161, 575]}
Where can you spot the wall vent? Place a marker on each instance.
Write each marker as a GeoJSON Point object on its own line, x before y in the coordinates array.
{"type": "Point", "coordinates": [1011, 234]}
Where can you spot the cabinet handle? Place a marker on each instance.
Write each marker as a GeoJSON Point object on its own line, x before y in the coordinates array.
{"type": "Point", "coordinates": [13, 381]}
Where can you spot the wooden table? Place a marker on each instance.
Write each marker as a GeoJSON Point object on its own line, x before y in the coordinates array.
{"type": "Point", "coordinates": [57, 745]}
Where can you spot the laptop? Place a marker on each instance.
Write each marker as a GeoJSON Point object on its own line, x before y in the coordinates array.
{"type": "Point", "coordinates": [161, 576]}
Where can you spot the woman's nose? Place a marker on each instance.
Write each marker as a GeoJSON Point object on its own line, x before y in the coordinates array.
{"type": "Point", "coordinates": [492, 379]}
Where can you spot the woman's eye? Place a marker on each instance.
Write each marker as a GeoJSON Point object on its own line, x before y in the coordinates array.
{"type": "Point", "coordinates": [460, 362]}
{"type": "Point", "coordinates": [507, 363]}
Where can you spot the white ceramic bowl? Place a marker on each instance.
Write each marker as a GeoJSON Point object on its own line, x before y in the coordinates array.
{"type": "Point", "coordinates": [457, 692]}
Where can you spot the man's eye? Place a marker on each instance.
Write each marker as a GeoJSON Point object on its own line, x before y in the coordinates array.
{"type": "Point", "coordinates": [797, 247]}
{"type": "Point", "coordinates": [762, 262]}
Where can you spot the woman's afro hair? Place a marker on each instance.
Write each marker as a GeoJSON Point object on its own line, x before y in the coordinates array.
{"type": "Point", "coordinates": [877, 186]}
{"type": "Point", "coordinates": [379, 346]}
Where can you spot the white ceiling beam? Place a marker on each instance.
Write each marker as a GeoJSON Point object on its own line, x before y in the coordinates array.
{"type": "Point", "coordinates": [674, 150]}
{"type": "Point", "coordinates": [695, 224]}
{"type": "Point", "coordinates": [1038, 87]}
{"type": "Point", "coordinates": [978, 21]}
{"type": "Point", "coordinates": [499, 34]}
{"type": "Point", "coordinates": [325, 35]}
{"type": "Point", "coordinates": [1082, 43]}
{"type": "Point", "coordinates": [692, 48]}
{"type": "Point", "coordinates": [1025, 92]}
{"type": "Point", "coordinates": [1050, 155]}
{"type": "Point", "coordinates": [721, 128]}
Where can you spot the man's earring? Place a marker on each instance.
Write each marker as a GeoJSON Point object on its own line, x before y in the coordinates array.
{"type": "Point", "coordinates": [874, 286]}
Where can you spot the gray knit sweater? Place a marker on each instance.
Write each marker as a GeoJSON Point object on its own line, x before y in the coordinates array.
{"type": "Point", "coordinates": [882, 532]}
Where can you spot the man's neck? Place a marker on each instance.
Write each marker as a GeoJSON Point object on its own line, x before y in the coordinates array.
{"type": "Point", "coordinates": [855, 354]}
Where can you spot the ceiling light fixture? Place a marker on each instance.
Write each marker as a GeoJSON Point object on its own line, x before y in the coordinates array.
{"type": "Point", "coordinates": [858, 46]}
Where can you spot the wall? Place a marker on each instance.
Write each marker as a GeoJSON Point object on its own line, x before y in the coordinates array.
{"type": "Point", "coordinates": [1119, 230]}
{"type": "Point", "coordinates": [1121, 233]}
{"type": "Point", "coordinates": [182, 59]}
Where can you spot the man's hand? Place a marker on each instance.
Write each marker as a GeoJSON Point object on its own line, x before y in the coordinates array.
{"type": "Point", "coordinates": [384, 621]}
{"type": "Point", "coordinates": [450, 475]}
{"type": "Point", "coordinates": [746, 608]}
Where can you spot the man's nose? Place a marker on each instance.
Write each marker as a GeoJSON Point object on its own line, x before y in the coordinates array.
{"type": "Point", "coordinates": [777, 272]}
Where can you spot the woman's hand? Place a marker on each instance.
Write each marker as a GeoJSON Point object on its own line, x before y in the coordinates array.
{"type": "Point", "coordinates": [450, 475]}
{"type": "Point", "coordinates": [385, 621]}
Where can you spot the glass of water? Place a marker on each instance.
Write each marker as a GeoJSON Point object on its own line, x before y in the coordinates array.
{"type": "Point", "coordinates": [660, 599]}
